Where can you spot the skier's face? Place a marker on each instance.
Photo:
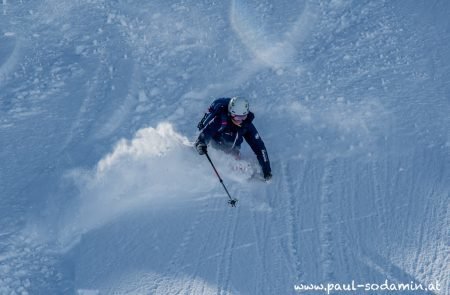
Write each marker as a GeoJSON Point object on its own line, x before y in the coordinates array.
{"type": "Point", "coordinates": [237, 120]}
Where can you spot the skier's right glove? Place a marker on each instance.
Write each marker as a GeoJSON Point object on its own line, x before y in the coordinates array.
{"type": "Point", "coordinates": [267, 176]}
{"type": "Point", "coordinates": [201, 148]}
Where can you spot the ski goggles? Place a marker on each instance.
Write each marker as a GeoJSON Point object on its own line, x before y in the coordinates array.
{"type": "Point", "coordinates": [239, 117]}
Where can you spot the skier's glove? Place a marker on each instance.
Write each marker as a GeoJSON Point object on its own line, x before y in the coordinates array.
{"type": "Point", "coordinates": [267, 176]}
{"type": "Point", "coordinates": [201, 148]}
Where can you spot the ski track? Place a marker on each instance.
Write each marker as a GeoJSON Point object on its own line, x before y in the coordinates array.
{"type": "Point", "coordinates": [225, 263]}
{"type": "Point", "coordinates": [82, 119]}
{"type": "Point", "coordinates": [326, 221]}
{"type": "Point", "coordinates": [422, 235]}
{"type": "Point", "coordinates": [380, 206]}
{"type": "Point", "coordinates": [292, 220]}
{"type": "Point", "coordinates": [194, 286]}
{"type": "Point", "coordinates": [177, 264]}
{"type": "Point", "coordinates": [259, 226]}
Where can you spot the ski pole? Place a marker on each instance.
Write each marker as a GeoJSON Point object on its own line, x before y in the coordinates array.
{"type": "Point", "coordinates": [231, 201]}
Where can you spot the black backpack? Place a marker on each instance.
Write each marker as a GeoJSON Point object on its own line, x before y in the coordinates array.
{"type": "Point", "coordinates": [218, 107]}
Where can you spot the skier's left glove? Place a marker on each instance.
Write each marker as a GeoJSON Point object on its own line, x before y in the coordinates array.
{"type": "Point", "coordinates": [267, 175]}
{"type": "Point", "coordinates": [201, 148]}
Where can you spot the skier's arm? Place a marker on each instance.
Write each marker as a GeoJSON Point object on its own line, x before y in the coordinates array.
{"type": "Point", "coordinates": [257, 145]}
{"type": "Point", "coordinates": [208, 132]}
{"type": "Point", "coordinates": [213, 110]}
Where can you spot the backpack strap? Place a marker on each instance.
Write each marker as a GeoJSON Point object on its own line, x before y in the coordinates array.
{"type": "Point", "coordinates": [218, 106]}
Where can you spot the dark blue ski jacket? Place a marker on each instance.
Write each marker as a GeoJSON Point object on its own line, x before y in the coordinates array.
{"type": "Point", "coordinates": [217, 126]}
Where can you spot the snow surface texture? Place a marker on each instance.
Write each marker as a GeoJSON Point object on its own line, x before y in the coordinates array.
{"type": "Point", "coordinates": [102, 193]}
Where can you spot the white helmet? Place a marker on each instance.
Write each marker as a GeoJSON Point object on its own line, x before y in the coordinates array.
{"type": "Point", "coordinates": [238, 106]}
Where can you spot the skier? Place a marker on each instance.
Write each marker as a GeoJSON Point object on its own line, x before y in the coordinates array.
{"type": "Point", "coordinates": [227, 123]}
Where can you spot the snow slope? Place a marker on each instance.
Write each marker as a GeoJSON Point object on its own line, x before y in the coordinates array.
{"type": "Point", "coordinates": [101, 193]}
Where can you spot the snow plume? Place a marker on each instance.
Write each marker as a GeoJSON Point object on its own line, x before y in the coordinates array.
{"type": "Point", "coordinates": [155, 166]}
